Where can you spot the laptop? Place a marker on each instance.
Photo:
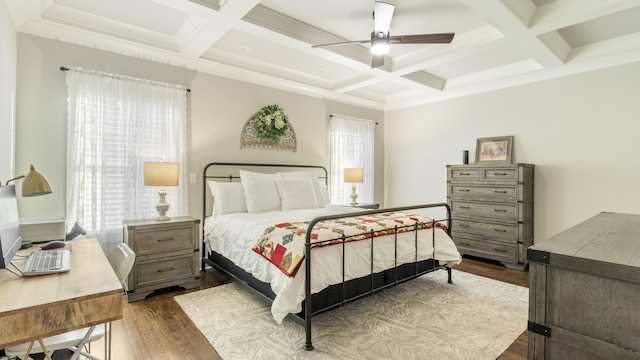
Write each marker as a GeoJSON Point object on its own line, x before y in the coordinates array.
{"type": "Point", "coordinates": [44, 262]}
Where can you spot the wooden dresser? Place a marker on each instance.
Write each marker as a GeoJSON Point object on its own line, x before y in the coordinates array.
{"type": "Point", "coordinates": [584, 291]}
{"type": "Point", "coordinates": [167, 254]}
{"type": "Point", "coordinates": [492, 210]}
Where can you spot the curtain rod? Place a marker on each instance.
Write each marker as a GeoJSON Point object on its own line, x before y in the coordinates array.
{"type": "Point", "coordinates": [63, 68]}
{"type": "Point", "coordinates": [353, 118]}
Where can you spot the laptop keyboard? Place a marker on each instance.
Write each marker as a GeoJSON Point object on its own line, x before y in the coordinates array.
{"type": "Point", "coordinates": [46, 260]}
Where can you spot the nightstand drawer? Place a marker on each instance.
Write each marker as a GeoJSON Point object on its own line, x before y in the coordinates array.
{"type": "Point", "coordinates": [500, 212]}
{"type": "Point", "coordinates": [498, 232]}
{"type": "Point", "coordinates": [163, 270]}
{"type": "Point", "coordinates": [172, 239]}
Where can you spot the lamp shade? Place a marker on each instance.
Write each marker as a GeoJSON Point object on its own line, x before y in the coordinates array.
{"type": "Point", "coordinates": [35, 184]}
{"type": "Point", "coordinates": [161, 174]}
{"type": "Point", "coordinates": [353, 175]}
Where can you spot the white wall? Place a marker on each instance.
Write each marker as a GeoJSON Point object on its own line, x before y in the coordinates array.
{"type": "Point", "coordinates": [8, 55]}
{"type": "Point", "coordinates": [581, 132]}
{"type": "Point", "coordinates": [219, 107]}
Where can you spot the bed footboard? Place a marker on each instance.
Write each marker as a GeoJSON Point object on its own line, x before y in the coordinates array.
{"type": "Point", "coordinates": [376, 281]}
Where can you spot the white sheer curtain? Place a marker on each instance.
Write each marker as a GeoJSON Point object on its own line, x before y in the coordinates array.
{"type": "Point", "coordinates": [114, 125]}
{"type": "Point", "coordinates": [352, 146]}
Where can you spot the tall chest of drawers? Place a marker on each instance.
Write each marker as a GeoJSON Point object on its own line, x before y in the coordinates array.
{"type": "Point", "coordinates": [167, 254]}
{"type": "Point", "coordinates": [492, 210]}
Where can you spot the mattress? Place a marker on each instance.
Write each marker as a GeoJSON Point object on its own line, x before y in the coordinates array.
{"type": "Point", "coordinates": [234, 235]}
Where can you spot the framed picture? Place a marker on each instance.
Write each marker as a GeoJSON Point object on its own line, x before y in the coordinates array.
{"type": "Point", "coordinates": [494, 149]}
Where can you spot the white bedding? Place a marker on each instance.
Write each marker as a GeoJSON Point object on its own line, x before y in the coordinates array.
{"type": "Point", "coordinates": [234, 235]}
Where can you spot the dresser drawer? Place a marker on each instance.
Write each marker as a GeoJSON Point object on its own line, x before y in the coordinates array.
{"type": "Point", "coordinates": [498, 232]}
{"type": "Point", "coordinates": [487, 249]}
{"type": "Point", "coordinates": [489, 211]}
{"type": "Point", "coordinates": [465, 174]}
{"type": "Point", "coordinates": [171, 239]}
{"type": "Point", "coordinates": [500, 174]}
{"type": "Point", "coordinates": [163, 270]}
{"type": "Point", "coordinates": [496, 193]}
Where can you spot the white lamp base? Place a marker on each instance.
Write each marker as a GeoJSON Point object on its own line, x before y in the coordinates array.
{"type": "Point", "coordinates": [354, 196]}
{"type": "Point", "coordinates": [162, 206]}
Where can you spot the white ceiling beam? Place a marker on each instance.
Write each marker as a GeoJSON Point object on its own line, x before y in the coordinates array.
{"type": "Point", "coordinates": [516, 30]}
{"type": "Point", "coordinates": [206, 26]}
{"type": "Point", "coordinates": [560, 14]}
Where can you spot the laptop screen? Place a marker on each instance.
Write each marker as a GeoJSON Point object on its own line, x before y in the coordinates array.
{"type": "Point", "coordinates": [10, 240]}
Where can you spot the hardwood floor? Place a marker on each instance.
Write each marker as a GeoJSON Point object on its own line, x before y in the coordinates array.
{"type": "Point", "coordinates": [156, 328]}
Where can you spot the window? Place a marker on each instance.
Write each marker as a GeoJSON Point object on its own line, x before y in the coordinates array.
{"type": "Point", "coordinates": [352, 146]}
{"type": "Point", "coordinates": [114, 125]}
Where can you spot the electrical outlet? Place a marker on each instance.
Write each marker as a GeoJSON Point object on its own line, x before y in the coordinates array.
{"type": "Point", "coordinates": [193, 178]}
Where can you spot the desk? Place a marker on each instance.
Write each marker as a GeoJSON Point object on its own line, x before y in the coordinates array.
{"type": "Point", "coordinates": [36, 307]}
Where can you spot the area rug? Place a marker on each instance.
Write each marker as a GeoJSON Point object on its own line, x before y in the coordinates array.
{"type": "Point", "coordinates": [425, 318]}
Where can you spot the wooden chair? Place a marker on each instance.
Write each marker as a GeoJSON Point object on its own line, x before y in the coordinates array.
{"type": "Point", "coordinates": [121, 259]}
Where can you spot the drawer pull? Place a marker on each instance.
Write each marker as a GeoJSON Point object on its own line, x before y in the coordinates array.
{"type": "Point", "coordinates": [165, 270]}
{"type": "Point", "coordinates": [464, 225]}
{"type": "Point", "coordinates": [499, 210]}
{"type": "Point", "coordinates": [465, 207]}
{"type": "Point", "coordinates": [463, 190]}
{"type": "Point", "coordinates": [465, 244]}
{"type": "Point", "coordinates": [499, 174]}
{"type": "Point", "coordinates": [500, 230]}
{"type": "Point", "coordinates": [500, 250]}
{"type": "Point", "coordinates": [167, 239]}
{"type": "Point", "coordinates": [499, 192]}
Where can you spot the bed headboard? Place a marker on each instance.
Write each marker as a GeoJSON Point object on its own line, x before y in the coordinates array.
{"type": "Point", "coordinates": [229, 171]}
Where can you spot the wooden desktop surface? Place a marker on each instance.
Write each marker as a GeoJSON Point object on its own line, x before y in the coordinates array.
{"type": "Point", "coordinates": [41, 306]}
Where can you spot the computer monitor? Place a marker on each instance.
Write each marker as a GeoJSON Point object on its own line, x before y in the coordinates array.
{"type": "Point", "coordinates": [10, 240]}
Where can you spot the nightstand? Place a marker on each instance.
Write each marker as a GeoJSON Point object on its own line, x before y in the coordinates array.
{"type": "Point", "coordinates": [365, 206]}
{"type": "Point", "coordinates": [167, 254]}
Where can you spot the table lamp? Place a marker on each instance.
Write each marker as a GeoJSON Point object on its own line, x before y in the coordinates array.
{"type": "Point", "coordinates": [353, 176]}
{"type": "Point", "coordinates": [34, 184]}
{"type": "Point", "coordinates": [161, 174]}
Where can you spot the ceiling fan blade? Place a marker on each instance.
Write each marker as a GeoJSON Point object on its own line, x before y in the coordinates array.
{"type": "Point", "coordinates": [382, 14]}
{"type": "Point", "coordinates": [377, 61]}
{"type": "Point", "coordinates": [342, 43]}
{"type": "Point", "coordinates": [444, 38]}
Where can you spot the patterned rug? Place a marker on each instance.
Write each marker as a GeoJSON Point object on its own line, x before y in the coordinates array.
{"type": "Point", "coordinates": [425, 318]}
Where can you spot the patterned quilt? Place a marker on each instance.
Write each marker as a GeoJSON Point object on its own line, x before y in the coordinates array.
{"type": "Point", "coordinates": [283, 244]}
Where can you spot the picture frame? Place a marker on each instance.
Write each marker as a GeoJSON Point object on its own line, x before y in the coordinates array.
{"type": "Point", "coordinates": [494, 150]}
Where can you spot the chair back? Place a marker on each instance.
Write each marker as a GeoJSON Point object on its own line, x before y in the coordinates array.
{"type": "Point", "coordinates": [121, 259]}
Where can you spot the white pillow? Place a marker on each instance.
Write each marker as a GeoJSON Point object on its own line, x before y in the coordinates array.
{"type": "Point", "coordinates": [296, 193]}
{"type": "Point", "coordinates": [228, 197]}
{"type": "Point", "coordinates": [260, 191]}
{"type": "Point", "coordinates": [319, 189]}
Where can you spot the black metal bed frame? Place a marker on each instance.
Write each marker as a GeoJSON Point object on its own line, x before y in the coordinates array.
{"type": "Point", "coordinates": [335, 295]}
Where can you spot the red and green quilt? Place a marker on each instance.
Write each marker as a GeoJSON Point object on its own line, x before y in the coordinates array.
{"type": "Point", "coordinates": [283, 244]}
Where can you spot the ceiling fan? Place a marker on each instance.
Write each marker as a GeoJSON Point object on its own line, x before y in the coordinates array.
{"type": "Point", "coordinates": [381, 39]}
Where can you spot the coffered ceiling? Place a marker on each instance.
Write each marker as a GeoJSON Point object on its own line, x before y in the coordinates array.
{"type": "Point", "coordinates": [497, 43]}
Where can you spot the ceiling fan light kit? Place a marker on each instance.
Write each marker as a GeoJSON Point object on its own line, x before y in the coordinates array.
{"type": "Point", "coordinates": [381, 40]}
{"type": "Point", "coordinates": [379, 45]}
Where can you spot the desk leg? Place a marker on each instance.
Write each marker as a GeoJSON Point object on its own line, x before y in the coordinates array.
{"type": "Point", "coordinates": [107, 341]}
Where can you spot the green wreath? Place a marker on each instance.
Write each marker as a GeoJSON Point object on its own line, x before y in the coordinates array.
{"type": "Point", "coordinates": [271, 122]}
